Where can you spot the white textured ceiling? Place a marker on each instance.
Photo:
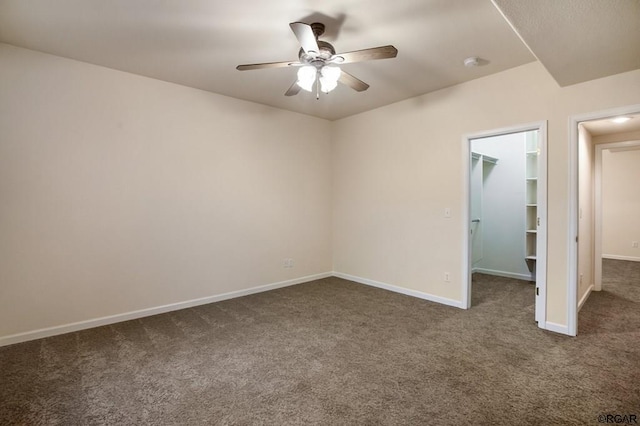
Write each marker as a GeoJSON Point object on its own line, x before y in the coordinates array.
{"type": "Point", "coordinates": [198, 43]}
{"type": "Point", "coordinates": [578, 40]}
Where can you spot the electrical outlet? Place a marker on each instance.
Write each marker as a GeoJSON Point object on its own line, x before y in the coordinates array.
{"type": "Point", "coordinates": [287, 263]}
{"type": "Point", "coordinates": [447, 277]}
{"type": "Point", "coordinates": [634, 244]}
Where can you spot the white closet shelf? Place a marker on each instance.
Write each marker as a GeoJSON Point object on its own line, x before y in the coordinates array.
{"type": "Point", "coordinates": [531, 183]}
{"type": "Point", "coordinates": [485, 158]}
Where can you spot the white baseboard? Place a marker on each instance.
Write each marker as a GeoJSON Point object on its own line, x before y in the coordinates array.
{"type": "Point", "coordinates": [97, 322]}
{"type": "Point", "coordinates": [616, 257]}
{"type": "Point", "coordinates": [401, 290]}
{"type": "Point", "coordinates": [524, 277]}
{"type": "Point", "coordinates": [585, 297]}
{"type": "Point", "coordinates": [557, 328]}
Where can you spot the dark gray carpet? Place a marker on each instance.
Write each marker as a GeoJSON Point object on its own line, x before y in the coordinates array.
{"type": "Point", "coordinates": [333, 352]}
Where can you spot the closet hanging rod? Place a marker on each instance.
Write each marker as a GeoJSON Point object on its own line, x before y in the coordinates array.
{"type": "Point", "coordinates": [486, 158]}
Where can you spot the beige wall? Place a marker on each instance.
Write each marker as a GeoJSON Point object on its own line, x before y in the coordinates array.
{"type": "Point", "coordinates": [120, 193]}
{"type": "Point", "coordinates": [586, 213]}
{"type": "Point", "coordinates": [620, 204]}
{"type": "Point", "coordinates": [396, 168]}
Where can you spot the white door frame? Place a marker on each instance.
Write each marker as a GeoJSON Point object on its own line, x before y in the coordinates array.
{"type": "Point", "coordinates": [541, 262]}
{"type": "Point", "coordinates": [572, 234]}
{"type": "Point", "coordinates": [597, 235]}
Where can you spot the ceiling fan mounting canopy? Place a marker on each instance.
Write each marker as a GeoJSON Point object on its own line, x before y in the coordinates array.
{"type": "Point", "coordinates": [318, 54]}
{"type": "Point", "coordinates": [317, 28]}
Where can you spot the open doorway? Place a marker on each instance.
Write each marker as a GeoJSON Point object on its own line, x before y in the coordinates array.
{"type": "Point", "coordinates": [594, 136]}
{"type": "Point", "coordinates": [505, 198]}
{"type": "Point", "coordinates": [608, 256]}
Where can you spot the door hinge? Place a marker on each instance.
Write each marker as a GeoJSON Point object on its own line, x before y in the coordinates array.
{"type": "Point", "coordinates": [537, 291]}
{"type": "Point", "coordinates": [576, 238]}
{"type": "Point", "coordinates": [538, 221]}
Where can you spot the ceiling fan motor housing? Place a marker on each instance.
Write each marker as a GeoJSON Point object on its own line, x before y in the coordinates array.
{"type": "Point", "coordinates": [327, 51]}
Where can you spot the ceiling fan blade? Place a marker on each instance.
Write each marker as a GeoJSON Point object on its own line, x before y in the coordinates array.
{"type": "Point", "coordinates": [382, 52]}
{"type": "Point", "coordinates": [353, 82]}
{"type": "Point", "coordinates": [268, 65]}
{"type": "Point", "coordinates": [305, 36]}
{"type": "Point", "coordinates": [293, 90]}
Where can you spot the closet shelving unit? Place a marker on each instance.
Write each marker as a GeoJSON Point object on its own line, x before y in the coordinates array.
{"type": "Point", "coordinates": [484, 157]}
{"type": "Point", "coordinates": [532, 152]}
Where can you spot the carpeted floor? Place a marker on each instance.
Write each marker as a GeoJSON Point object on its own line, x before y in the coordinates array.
{"type": "Point", "coordinates": [333, 352]}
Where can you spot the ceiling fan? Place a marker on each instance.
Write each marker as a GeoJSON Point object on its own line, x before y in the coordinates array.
{"type": "Point", "coordinates": [318, 62]}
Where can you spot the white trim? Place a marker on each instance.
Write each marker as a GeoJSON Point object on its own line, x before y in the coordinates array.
{"type": "Point", "coordinates": [558, 328]}
{"type": "Point", "coordinates": [505, 274]}
{"type": "Point", "coordinates": [572, 228]}
{"type": "Point", "coordinates": [467, 260]}
{"type": "Point", "coordinates": [541, 239]}
{"type": "Point", "coordinates": [526, 127]}
{"type": "Point", "coordinates": [616, 257]}
{"type": "Point", "coordinates": [541, 263]}
{"type": "Point", "coordinates": [585, 297]}
{"type": "Point", "coordinates": [401, 290]}
{"type": "Point", "coordinates": [112, 319]}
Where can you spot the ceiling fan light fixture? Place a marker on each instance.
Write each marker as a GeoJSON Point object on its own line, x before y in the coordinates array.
{"type": "Point", "coordinates": [329, 76]}
{"type": "Point", "coordinates": [327, 85]}
{"type": "Point", "coordinates": [306, 77]}
{"type": "Point", "coordinates": [330, 72]}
